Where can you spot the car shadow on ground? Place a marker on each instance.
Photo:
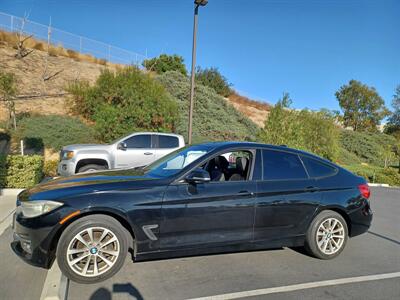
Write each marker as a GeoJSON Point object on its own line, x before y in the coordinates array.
{"type": "Point", "coordinates": [126, 288]}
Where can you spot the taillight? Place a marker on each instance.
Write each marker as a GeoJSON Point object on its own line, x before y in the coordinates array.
{"type": "Point", "coordinates": [364, 190]}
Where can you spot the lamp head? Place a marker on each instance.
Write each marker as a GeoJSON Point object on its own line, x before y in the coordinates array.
{"type": "Point", "coordinates": [201, 2]}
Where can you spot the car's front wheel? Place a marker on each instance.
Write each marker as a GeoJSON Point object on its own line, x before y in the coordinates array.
{"type": "Point", "coordinates": [327, 235]}
{"type": "Point", "coordinates": [92, 249]}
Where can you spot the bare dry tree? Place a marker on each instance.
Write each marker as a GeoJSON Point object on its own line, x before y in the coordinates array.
{"type": "Point", "coordinates": [22, 51]}
{"type": "Point", "coordinates": [46, 76]}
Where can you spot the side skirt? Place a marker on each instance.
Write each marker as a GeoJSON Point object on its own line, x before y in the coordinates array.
{"type": "Point", "coordinates": [243, 247]}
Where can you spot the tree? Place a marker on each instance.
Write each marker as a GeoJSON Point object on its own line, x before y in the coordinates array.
{"type": "Point", "coordinates": [212, 78]}
{"type": "Point", "coordinates": [8, 90]}
{"type": "Point", "coordinates": [124, 101]}
{"type": "Point", "coordinates": [362, 106]}
{"type": "Point", "coordinates": [165, 63]}
{"type": "Point", "coordinates": [393, 125]}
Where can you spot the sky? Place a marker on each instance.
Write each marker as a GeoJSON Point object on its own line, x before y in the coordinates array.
{"type": "Point", "coordinates": [308, 48]}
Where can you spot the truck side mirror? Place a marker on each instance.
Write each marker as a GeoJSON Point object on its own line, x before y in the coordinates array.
{"type": "Point", "coordinates": [122, 146]}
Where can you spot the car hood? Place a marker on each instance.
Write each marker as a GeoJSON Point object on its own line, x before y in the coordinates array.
{"type": "Point", "coordinates": [63, 187]}
{"type": "Point", "coordinates": [77, 147]}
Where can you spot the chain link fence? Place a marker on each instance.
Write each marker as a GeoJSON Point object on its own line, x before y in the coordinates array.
{"type": "Point", "coordinates": [71, 41]}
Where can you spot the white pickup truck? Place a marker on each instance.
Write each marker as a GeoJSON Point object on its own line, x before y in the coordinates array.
{"type": "Point", "coordinates": [134, 150]}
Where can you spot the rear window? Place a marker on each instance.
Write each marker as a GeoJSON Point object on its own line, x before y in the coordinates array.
{"type": "Point", "coordinates": [316, 168]}
{"type": "Point", "coordinates": [282, 165]}
{"type": "Point", "coordinates": [165, 141]}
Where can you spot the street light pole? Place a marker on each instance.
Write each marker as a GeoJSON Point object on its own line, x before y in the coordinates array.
{"type": "Point", "coordinates": [197, 3]}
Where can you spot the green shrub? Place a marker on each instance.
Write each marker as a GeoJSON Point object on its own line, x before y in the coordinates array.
{"type": "Point", "coordinates": [52, 131]}
{"type": "Point", "coordinates": [50, 168]}
{"type": "Point", "coordinates": [372, 148]}
{"type": "Point", "coordinates": [214, 119]}
{"type": "Point", "coordinates": [212, 78]}
{"type": "Point", "coordinates": [307, 130]}
{"type": "Point", "coordinates": [18, 171]}
{"type": "Point", "coordinates": [123, 102]}
{"type": "Point", "coordinates": [165, 63]}
{"type": "Point", "coordinates": [376, 174]}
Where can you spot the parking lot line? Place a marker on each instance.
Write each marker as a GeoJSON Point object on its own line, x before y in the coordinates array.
{"type": "Point", "coordinates": [301, 286]}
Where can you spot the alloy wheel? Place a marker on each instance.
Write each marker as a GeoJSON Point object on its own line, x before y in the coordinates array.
{"type": "Point", "coordinates": [330, 236]}
{"type": "Point", "coordinates": [93, 251]}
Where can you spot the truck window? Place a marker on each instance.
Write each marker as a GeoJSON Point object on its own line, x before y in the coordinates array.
{"type": "Point", "coordinates": [139, 141]}
{"type": "Point", "coordinates": [165, 141]}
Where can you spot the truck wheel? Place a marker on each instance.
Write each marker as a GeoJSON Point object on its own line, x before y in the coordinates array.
{"type": "Point", "coordinates": [92, 249]}
{"type": "Point", "coordinates": [91, 168]}
{"type": "Point", "coordinates": [327, 235]}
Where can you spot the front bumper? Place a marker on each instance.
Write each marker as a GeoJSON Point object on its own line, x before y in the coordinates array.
{"type": "Point", "coordinates": [34, 239]}
{"type": "Point", "coordinates": [66, 168]}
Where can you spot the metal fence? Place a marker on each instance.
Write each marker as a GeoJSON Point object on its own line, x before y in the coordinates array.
{"type": "Point", "coordinates": [71, 41]}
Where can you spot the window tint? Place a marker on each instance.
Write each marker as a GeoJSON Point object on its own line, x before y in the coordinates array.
{"type": "Point", "coordinates": [282, 165]}
{"type": "Point", "coordinates": [139, 141]}
{"type": "Point", "coordinates": [316, 168]}
{"type": "Point", "coordinates": [165, 141]}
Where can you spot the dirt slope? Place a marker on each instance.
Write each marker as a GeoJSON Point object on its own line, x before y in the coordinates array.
{"type": "Point", "coordinates": [35, 94]}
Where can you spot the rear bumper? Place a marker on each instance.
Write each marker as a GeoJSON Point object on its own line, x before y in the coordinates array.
{"type": "Point", "coordinates": [361, 219]}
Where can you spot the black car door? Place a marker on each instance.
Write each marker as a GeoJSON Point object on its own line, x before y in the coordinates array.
{"type": "Point", "coordinates": [286, 197]}
{"type": "Point", "coordinates": [208, 214]}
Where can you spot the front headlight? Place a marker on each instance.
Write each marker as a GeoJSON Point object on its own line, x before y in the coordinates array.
{"type": "Point", "coordinates": [65, 155]}
{"type": "Point", "coordinates": [32, 209]}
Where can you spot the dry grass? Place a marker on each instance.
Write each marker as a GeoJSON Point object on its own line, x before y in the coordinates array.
{"type": "Point", "coordinates": [254, 110]}
{"type": "Point", "coordinates": [11, 39]}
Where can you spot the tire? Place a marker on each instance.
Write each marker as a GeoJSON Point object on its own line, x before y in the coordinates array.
{"type": "Point", "coordinates": [327, 231]}
{"type": "Point", "coordinates": [91, 168]}
{"type": "Point", "coordinates": [91, 263]}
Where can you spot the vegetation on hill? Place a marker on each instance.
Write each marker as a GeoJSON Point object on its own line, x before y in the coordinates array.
{"type": "Point", "coordinates": [165, 63]}
{"type": "Point", "coordinates": [212, 78]}
{"type": "Point", "coordinates": [310, 131]}
{"type": "Point", "coordinates": [52, 132]}
{"type": "Point", "coordinates": [122, 102]}
{"type": "Point", "coordinates": [214, 119]}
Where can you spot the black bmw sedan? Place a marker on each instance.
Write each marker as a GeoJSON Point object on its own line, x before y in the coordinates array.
{"type": "Point", "coordinates": [209, 198]}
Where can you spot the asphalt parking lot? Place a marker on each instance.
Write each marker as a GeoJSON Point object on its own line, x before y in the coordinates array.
{"type": "Point", "coordinates": [272, 274]}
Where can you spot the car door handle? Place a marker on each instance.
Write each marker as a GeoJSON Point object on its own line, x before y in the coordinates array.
{"type": "Point", "coordinates": [311, 189]}
{"type": "Point", "coordinates": [148, 153]}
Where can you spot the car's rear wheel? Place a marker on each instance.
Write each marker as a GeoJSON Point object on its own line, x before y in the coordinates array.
{"type": "Point", "coordinates": [327, 235]}
{"type": "Point", "coordinates": [91, 168]}
{"type": "Point", "coordinates": [92, 249]}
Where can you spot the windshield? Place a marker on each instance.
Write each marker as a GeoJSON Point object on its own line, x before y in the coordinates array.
{"type": "Point", "coordinates": [176, 161]}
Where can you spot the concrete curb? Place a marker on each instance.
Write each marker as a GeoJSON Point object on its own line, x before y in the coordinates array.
{"type": "Point", "coordinates": [379, 184]}
{"type": "Point", "coordinates": [10, 192]}
{"type": "Point", "coordinates": [56, 285]}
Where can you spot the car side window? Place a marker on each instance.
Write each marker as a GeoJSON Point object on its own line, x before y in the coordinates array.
{"type": "Point", "coordinates": [316, 168]}
{"type": "Point", "coordinates": [141, 141]}
{"type": "Point", "coordinates": [165, 142]}
{"type": "Point", "coordinates": [230, 166]}
{"type": "Point", "coordinates": [279, 165]}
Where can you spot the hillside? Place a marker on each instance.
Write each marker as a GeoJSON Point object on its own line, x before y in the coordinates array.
{"type": "Point", "coordinates": [37, 95]}
{"type": "Point", "coordinates": [215, 118]}
{"type": "Point", "coordinates": [254, 110]}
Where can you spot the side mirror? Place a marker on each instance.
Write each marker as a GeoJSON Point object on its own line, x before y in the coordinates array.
{"type": "Point", "coordinates": [122, 146]}
{"type": "Point", "coordinates": [198, 176]}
